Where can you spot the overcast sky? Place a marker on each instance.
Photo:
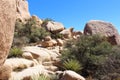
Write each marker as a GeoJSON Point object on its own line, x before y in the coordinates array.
{"type": "Point", "coordinates": [75, 13]}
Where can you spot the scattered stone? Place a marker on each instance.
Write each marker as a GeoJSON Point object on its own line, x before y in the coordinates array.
{"type": "Point", "coordinates": [60, 42]}
{"type": "Point", "coordinates": [47, 38]}
{"type": "Point", "coordinates": [27, 55]}
{"type": "Point", "coordinates": [71, 75]}
{"type": "Point", "coordinates": [67, 33]}
{"type": "Point", "coordinates": [50, 43]}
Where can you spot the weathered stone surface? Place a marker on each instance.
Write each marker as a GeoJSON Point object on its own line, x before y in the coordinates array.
{"type": "Point", "coordinates": [103, 28]}
{"type": "Point", "coordinates": [29, 73]}
{"type": "Point", "coordinates": [76, 34]}
{"type": "Point", "coordinates": [60, 42]}
{"type": "Point", "coordinates": [47, 38]}
{"type": "Point", "coordinates": [54, 27]}
{"type": "Point", "coordinates": [50, 43]}
{"type": "Point", "coordinates": [7, 22]}
{"type": "Point", "coordinates": [67, 33]}
{"type": "Point", "coordinates": [41, 54]}
{"type": "Point", "coordinates": [5, 72]}
{"type": "Point", "coordinates": [27, 55]}
{"type": "Point", "coordinates": [19, 63]}
{"type": "Point", "coordinates": [71, 75]}
{"type": "Point", "coordinates": [22, 9]}
{"type": "Point", "coordinates": [38, 53]}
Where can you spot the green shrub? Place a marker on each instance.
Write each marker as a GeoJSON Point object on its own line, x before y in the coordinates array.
{"type": "Point", "coordinates": [15, 52]}
{"type": "Point", "coordinates": [56, 36]}
{"type": "Point", "coordinates": [37, 34]}
{"type": "Point", "coordinates": [27, 33]}
{"type": "Point", "coordinates": [91, 51]}
{"type": "Point", "coordinates": [72, 64]}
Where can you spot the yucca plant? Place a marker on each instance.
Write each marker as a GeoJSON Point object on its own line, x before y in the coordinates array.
{"type": "Point", "coordinates": [41, 77]}
{"type": "Point", "coordinates": [72, 64]}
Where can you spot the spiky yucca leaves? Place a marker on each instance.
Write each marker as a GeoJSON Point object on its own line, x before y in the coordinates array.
{"type": "Point", "coordinates": [41, 77]}
{"type": "Point", "coordinates": [72, 64]}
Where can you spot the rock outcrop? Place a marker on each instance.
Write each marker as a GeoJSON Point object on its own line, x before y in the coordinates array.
{"type": "Point", "coordinates": [22, 11]}
{"type": "Point", "coordinates": [7, 22]}
{"type": "Point", "coordinates": [67, 33]}
{"type": "Point", "coordinates": [40, 54]}
{"type": "Point", "coordinates": [20, 63]}
{"type": "Point", "coordinates": [54, 27]}
{"type": "Point", "coordinates": [103, 28]}
{"type": "Point", "coordinates": [48, 42]}
{"type": "Point", "coordinates": [41, 61]}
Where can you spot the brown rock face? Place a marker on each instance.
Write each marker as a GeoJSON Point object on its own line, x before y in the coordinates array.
{"type": "Point", "coordinates": [103, 28]}
{"type": "Point", "coordinates": [22, 9]}
{"type": "Point", "coordinates": [7, 22]}
{"type": "Point", "coordinates": [5, 72]}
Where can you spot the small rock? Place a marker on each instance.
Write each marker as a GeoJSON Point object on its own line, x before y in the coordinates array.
{"type": "Point", "coordinates": [71, 75]}
{"type": "Point", "coordinates": [27, 55]}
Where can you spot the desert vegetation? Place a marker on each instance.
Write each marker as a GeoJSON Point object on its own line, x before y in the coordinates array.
{"type": "Point", "coordinates": [89, 55]}
{"type": "Point", "coordinates": [97, 57]}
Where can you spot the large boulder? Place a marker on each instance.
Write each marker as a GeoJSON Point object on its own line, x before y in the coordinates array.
{"type": "Point", "coordinates": [7, 22]}
{"type": "Point", "coordinates": [41, 54]}
{"type": "Point", "coordinates": [19, 63]}
{"type": "Point", "coordinates": [54, 27]}
{"type": "Point", "coordinates": [103, 28]}
{"type": "Point", "coordinates": [71, 75]}
{"type": "Point", "coordinates": [37, 53]}
{"type": "Point", "coordinates": [22, 9]}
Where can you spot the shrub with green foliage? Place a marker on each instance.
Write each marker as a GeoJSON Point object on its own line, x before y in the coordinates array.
{"type": "Point", "coordinates": [94, 53]}
{"type": "Point", "coordinates": [29, 32]}
{"type": "Point", "coordinates": [15, 52]}
{"type": "Point", "coordinates": [56, 36]}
